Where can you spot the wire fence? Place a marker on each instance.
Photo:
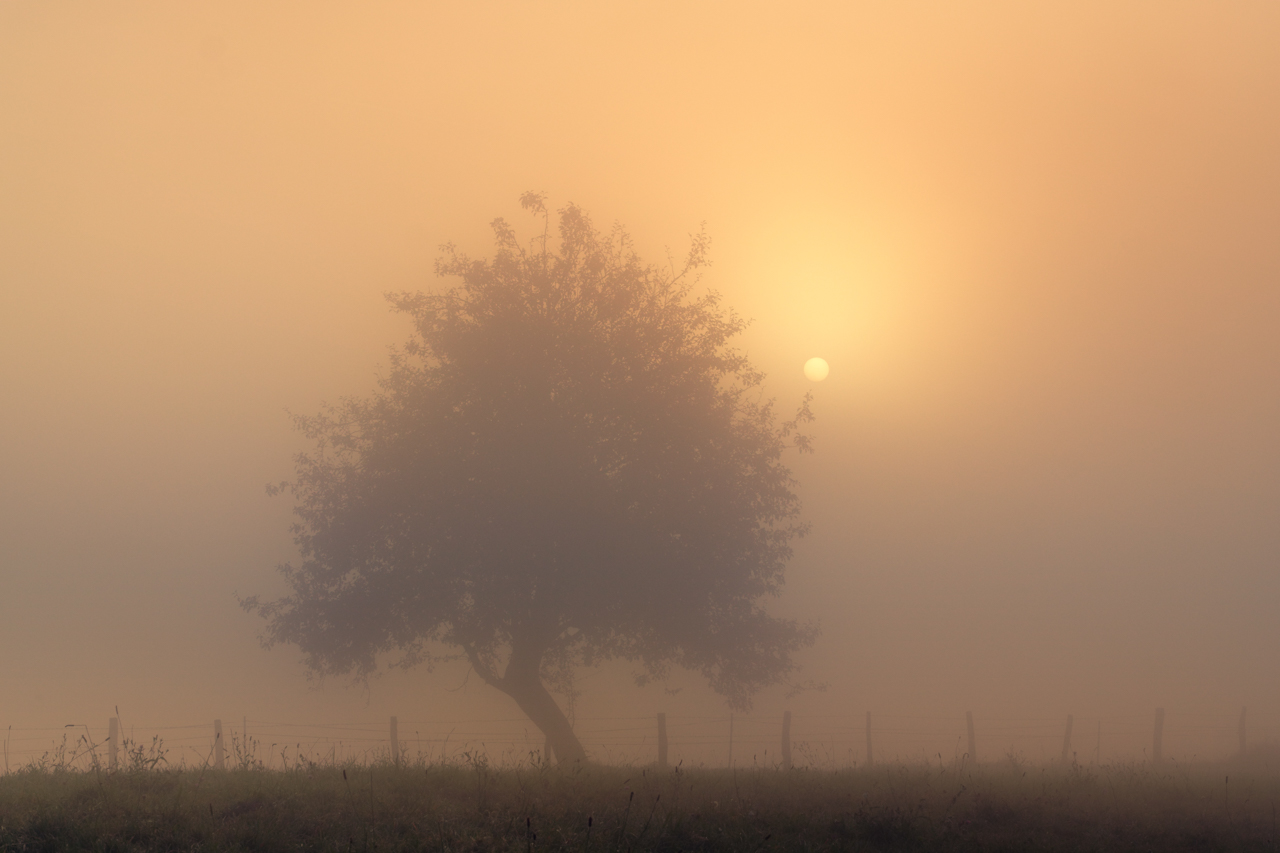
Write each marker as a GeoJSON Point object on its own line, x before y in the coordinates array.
{"type": "Point", "coordinates": [826, 741]}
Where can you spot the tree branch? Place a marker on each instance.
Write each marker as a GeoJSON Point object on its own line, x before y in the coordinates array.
{"type": "Point", "coordinates": [480, 667]}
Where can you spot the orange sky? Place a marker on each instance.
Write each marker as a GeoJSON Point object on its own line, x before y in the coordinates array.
{"type": "Point", "coordinates": [1037, 244]}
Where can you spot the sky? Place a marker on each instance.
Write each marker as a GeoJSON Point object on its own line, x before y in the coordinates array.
{"type": "Point", "coordinates": [1037, 244]}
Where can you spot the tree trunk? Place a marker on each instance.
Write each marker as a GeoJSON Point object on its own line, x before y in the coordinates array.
{"type": "Point", "coordinates": [540, 707]}
{"type": "Point", "coordinates": [523, 683]}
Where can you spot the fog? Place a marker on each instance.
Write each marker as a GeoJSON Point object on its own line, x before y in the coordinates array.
{"type": "Point", "coordinates": [1036, 244]}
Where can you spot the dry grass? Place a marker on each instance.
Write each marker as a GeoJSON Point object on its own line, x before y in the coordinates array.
{"type": "Point", "coordinates": [471, 805]}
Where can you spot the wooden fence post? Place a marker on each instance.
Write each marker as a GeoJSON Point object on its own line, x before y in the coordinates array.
{"type": "Point", "coordinates": [219, 760]}
{"type": "Point", "coordinates": [113, 737]}
{"type": "Point", "coordinates": [662, 739]}
{"type": "Point", "coordinates": [395, 743]}
{"type": "Point", "coordinates": [868, 738]}
{"type": "Point", "coordinates": [1242, 740]}
{"type": "Point", "coordinates": [973, 743]}
{"type": "Point", "coordinates": [786, 740]}
{"type": "Point", "coordinates": [1066, 741]}
{"type": "Point", "coordinates": [1157, 742]}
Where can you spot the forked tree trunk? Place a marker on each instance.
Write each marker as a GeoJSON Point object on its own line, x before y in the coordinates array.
{"type": "Point", "coordinates": [523, 682]}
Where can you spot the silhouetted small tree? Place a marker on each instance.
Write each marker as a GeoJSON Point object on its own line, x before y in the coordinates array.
{"type": "Point", "coordinates": [568, 463]}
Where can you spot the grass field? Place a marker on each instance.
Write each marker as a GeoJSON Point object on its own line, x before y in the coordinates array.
{"type": "Point", "coordinates": [473, 806]}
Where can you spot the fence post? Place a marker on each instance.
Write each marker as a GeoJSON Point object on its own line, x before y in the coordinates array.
{"type": "Point", "coordinates": [868, 738]}
{"type": "Point", "coordinates": [113, 737]}
{"type": "Point", "coordinates": [1242, 740]}
{"type": "Point", "coordinates": [786, 740]}
{"type": "Point", "coordinates": [395, 743]}
{"type": "Point", "coordinates": [1066, 741]}
{"type": "Point", "coordinates": [219, 761]}
{"type": "Point", "coordinates": [1157, 742]}
{"type": "Point", "coordinates": [662, 739]}
{"type": "Point", "coordinates": [973, 743]}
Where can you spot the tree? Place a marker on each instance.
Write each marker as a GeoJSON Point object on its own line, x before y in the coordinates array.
{"type": "Point", "coordinates": [567, 463]}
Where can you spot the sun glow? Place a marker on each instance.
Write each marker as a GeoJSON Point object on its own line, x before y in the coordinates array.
{"type": "Point", "coordinates": [816, 369]}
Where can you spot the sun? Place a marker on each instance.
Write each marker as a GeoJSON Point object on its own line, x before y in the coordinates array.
{"type": "Point", "coordinates": [816, 369]}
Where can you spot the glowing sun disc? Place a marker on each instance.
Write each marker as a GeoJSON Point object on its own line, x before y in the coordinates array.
{"type": "Point", "coordinates": [816, 369]}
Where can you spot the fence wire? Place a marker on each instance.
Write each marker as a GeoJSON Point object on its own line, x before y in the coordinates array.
{"type": "Point", "coordinates": [830, 741]}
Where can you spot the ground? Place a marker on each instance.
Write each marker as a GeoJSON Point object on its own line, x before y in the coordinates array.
{"type": "Point", "coordinates": [471, 805]}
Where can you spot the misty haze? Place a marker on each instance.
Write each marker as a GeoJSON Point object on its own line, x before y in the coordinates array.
{"type": "Point", "coordinates": [825, 387]}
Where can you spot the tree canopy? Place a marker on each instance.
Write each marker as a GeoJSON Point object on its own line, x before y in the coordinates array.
{"type": "Point", "coordinates": [567, 463]}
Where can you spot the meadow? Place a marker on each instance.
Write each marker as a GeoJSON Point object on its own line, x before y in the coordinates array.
{"type": "Point", "coordinates": [471, 804]}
